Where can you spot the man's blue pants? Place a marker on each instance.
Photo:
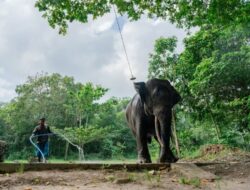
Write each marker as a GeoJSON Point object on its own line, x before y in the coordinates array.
{"type": "Point", "coordinates": [44, 147]}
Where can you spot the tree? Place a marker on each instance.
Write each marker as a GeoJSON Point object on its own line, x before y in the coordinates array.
{"type": "Point", "coordinates": [82, 105]}
{"type": "Point", "coordinates": [83, 135]}
{"type": "Point", "coordinates": [83, 101]}
{"type": "Point", "coordinates": [3, 126]}
{"type": "Point", "coordinates": [41, 95]}
{"type": "Point", "coordinates": [50, 96]}
{"type": "Point", "coordinates": [102, 133]}
{"type": "Point", "coordinates": [183, 12]}
{"type": "Point", "coordinates": [119, 143]}
{"type": "Point", "coordinates": [162, 62]}
{"type": "Point", "coordinates": [221, 80]}
{"type": "Point", "coordinates": [212, 75]}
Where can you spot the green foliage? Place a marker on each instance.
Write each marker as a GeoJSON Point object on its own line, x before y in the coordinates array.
{"type": "Point", "coordinates": [119, 143]}
{"type": "Point", "coordinates": [20, 169]}
{"type": "Point", "coordinates": [184, 13]}
{"type": "Point", "coordinates": [82, 101]}
{"type": "Point", "coordinates": [83, 135]}
{"type": "Point", "coordinates": [220, 81]}
{"type": "Point", "coordinates": [212, 76]}
{"type": "Point", "coordinates": [75, 111]}
{"type": "Point", "coordinates": [162, 61]}
{"type": "Point", "coordinates": [196, 182]}
{"type": "Point", "coordinates": [154, 148]}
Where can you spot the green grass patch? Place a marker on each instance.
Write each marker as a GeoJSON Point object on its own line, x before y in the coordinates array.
{"type": "Point", "coordinates": [196, 182]}
{"type": "Point", "coordinates": [77, 161]}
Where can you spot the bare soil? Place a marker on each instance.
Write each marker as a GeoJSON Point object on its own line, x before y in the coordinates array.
{"type": "Point", "coordinates": [233, 174]}
{"type": "Point", "coordinates": [230, 176]}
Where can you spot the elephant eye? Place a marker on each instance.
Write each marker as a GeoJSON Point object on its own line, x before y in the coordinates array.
{"type": "Point", "coordinates": [157, 92]}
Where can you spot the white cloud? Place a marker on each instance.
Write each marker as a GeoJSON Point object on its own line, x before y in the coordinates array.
{"type": "Point", "coordinates": [89, 52]}
{"type": "Point", "coordinates": [4, 83]}
{"type": "Point", "coordinates": [6, 90]}
{"type": "Point", "coordinates": [102, 24]}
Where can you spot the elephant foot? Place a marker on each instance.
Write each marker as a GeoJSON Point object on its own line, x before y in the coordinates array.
{"type": "Point", "coordinates": [171, 159]}
{"type": "Point", "coordinates": [142, 160]}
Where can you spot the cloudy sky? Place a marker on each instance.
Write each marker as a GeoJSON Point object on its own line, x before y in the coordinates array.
{"type": "Point", "coordinates": [89, 52]}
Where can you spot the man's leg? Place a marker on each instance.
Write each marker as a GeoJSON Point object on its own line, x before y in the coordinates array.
{"type": "Point", "coordinates": [46, 150]}
{"type": "Point", "coordinates": [39, 155]}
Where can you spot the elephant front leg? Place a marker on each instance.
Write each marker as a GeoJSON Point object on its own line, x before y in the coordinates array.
{"type": "Point", "coordinates": [163, 131]}
{"type": "Point", "coordinates": [142, 148]}
{"type": "Point", "coordinates": [166, 155]}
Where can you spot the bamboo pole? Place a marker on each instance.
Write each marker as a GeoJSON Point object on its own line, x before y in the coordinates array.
{"type": "Point", "coordinates": [175, 134]}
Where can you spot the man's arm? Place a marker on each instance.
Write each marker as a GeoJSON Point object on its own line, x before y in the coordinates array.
{"type": "Point", "coordinates": [35, 131]}
{"type": "Point", "coordinates": [48, 130]}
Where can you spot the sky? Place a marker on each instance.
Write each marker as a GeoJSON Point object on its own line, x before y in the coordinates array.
{"type": "Point", "coordinates": [90, 52]}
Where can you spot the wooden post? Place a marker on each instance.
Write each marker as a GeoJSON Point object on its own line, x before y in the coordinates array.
{"type": "Point", "coordinates": [66, 150]}
{"type": "Point", "coordinates": [174, 134]}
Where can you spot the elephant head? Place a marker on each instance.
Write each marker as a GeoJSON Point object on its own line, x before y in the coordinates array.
{"type": "Point", "coordinates": [158, 98]}
{"type": "Point", "coordinates": [157, 95]}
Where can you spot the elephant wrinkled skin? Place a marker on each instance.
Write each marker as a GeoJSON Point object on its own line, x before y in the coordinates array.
{"type": "Point", "coordinates": [149, 114]}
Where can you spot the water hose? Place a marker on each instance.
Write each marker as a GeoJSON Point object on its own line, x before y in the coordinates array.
{"type": "Point", "coordinates": [51, 134]}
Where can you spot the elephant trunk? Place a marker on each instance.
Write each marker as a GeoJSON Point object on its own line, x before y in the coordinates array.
{"type": "Point", "coordinates": [157, 131]}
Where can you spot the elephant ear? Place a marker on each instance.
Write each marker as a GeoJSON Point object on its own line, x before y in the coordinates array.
{"type": "Point", "coordinates": [140, 88]}
{"type": "Point", "coordinates": [176, 96]}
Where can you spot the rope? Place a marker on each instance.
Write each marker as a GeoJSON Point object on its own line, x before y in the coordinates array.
{"type": "Point", "coordinates": [123, 44]}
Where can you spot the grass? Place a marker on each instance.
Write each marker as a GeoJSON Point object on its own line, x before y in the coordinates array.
{"type": "Point", "coordinates": [220, 154]}
{"type": "Point", "coordinates": [76, 161]}
{"type": "Point", "coordinates": [15, 161]}
{"type": "Point", "coordinates": [191, 154]}
{"type": "Point", "coordinates": [20, 170]}
{"type": "Point", "coordinates": [196, 182]}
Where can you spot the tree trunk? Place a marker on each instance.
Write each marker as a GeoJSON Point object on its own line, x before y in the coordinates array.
{"type": "Point", "coordinates": [216, 126]}
{"type": "Point", "coordinates": [87, 120]}
{"type": "Point", "coordinates": [80, 120]}
{"type": "Point", "coordinates": [214, 123]}
{"type": "Point", "coordinates": [66, 150]}
{"type": "Point", "coordinates": [81, 153]}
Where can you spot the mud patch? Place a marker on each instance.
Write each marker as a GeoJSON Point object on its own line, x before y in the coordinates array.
{"type": "Point", "coordinates": [229, 170]}
{"type": "Point", "coordinates": [220, 153]}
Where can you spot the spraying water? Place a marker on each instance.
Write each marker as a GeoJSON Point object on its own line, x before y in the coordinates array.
{"type": "Point", "coordinates": [80, 150]}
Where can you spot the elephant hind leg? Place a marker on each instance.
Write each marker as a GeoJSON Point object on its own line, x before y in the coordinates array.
{"type": "Point", "coordinates": [167, 156]}
{"type": "Point", "coordinates": [149, 140]}
{"type": "Point", "coordinates": [171, 158]}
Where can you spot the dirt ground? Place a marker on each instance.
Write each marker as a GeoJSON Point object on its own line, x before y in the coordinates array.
{"type": "Point", "coordinates": [230, 176]}
{"type": "Point", "coordinates": [233, 172]}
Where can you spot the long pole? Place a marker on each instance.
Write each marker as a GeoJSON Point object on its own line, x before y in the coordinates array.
{"type": "Point", "coordinates": [123, 44]}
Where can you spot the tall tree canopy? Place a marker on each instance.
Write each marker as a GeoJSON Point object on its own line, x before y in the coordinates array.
{"type": "Point", "coordinates": [183, 12]}
{"type": "Point", "coordinates": [72, 109]}
{"type": "Point", "coordinates": [212, 75]}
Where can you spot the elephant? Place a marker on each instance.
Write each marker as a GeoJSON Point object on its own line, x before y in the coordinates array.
{"type": "Point", "coordinates": [149, 114]}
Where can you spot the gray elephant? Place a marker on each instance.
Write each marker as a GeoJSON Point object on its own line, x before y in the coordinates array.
{"type": "Point", "coordinates": [149, 114]}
